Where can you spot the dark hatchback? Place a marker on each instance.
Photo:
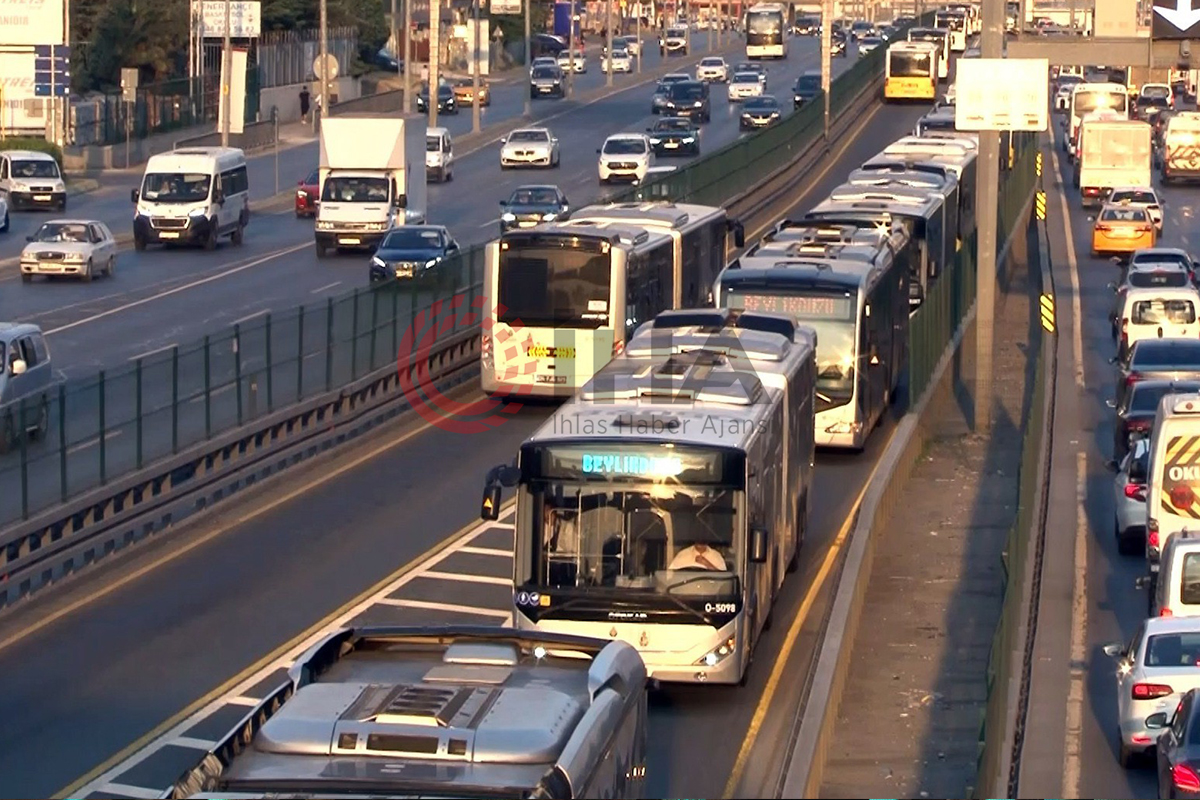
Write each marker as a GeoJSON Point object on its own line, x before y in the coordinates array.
{"type": "Point", "coordinates": [1158, 359]}
{"type": "Point", "coordinates": [674, 136]}
{"type": "Point", "coordinates": [807, 26]}
{"type": "Point", "coordinates": [411, 252]}
{"type": "Point", "coordinates": [1177, 749]}
{"type": "Point", "coordinates": [688, 99]}
{"type": "Point", "coordinates": [447, 102]}
{"type": "Point", "coordinates": [1135, 418]}
{"type": "Point", "coordinates": [760, 112]}
{"type": "Point", "coordinates": [807, 88]}
{"type": "Point", "coordinates": [529, 205]}
{"type": "Point", "coordinates": [1148, 108]}
{"type": "Point", "coordinates": [547, 81]}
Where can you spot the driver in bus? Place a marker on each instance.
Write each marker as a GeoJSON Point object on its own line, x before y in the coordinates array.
{"type": "Point", "coordinates": [698, 556]}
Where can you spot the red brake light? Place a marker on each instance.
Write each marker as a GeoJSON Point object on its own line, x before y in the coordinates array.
{"type": "Point", "coordinates": [1151, 691]}
{"type": "Point", "coordinates": [1135, 491]}
{"type": "Point", "coordinates": [1133, 378]}
{"type": "Point", "coordinates": [1185, 778]}
{"type": "Point", "coordinates": [1182, 496]}
{"type": "Point", "coordinates": [1152, 535]}
{"type": "Point", "coordinates": [1166, 612]}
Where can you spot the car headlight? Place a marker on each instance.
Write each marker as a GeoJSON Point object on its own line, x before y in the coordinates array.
{"type": "Point", "coordinates": [774, 114]}
{"type": "Point", "coordinates": [689, 139]}
{"type": "Point", "coordinates": [656, 141]}
{"type": "Point", "coordinates": [548, 217]}
{"type": "Point", "coordinates": [324, 226]}
{"type": "Point", "coordinates": [376, 261]}
{"type": "Point", "coordinates": [697, 104]}
{"type": "Point", "coordinates": [746, 116]}
{"type": "Point", "coordinates": [717, 654]}
{"type": "Point", "coordinates": [508, 217]}
{"type": "Point", "coordinates": [431, 263]}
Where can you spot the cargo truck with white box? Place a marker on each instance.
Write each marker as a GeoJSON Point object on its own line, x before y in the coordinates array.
{"type": "Point", "coordinates": [372, 178]}
{"type": "Point", "coordinates": [1111, 153]}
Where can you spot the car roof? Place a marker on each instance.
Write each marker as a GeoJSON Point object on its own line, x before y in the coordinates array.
{"type": "Point", "coordinates": [531, 128]}
{"type": "Point", "coordinates": [76, 221]}
{"type": "Point", "coordinates": [1157, 625]}
{"type": "Point", "coordinates": [626, 135]}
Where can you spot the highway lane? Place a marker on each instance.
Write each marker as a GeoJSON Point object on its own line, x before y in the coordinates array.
{"type": "Point", "coordinates": [177, 297]}
{"type": "Point", "coordinates": [270, 565]}
{"type": "Point", "coordinates": [1114, 606]}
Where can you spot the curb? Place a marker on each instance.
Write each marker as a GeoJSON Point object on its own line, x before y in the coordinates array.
{"type": "Point", "coordinates": [78, 186]}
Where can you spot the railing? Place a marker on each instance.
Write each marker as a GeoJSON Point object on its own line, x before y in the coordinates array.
{"type": "Point", "coordinates": [286, 57]}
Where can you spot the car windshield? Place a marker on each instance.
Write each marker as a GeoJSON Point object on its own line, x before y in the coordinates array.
{"type": "Point", "coordinates": [624, 147]}
{"type": "Point", "coordinates": [1138, 196]}
{"type": "Point", "coordinates": [745, 77]}
{"type": "Point", "coordinates": [1159, 312]}
{"type": "Point", "coordinates": [673, 126]}
{"type": "Point", "coordinates": [869, 41]}
{"type": "Point", "coordinates": [620, 52]}
{"type": "Point", "coordinates": [40, 168]}
{"type": "Point", "coordinates": [745, 67]}
{"type": "Point", "coordinates": [529, 136]}
{"type": "Point", "coordinates": [175, 187]}
{"type": "Point", "coordinates": [413, 239]}
{"type": "Point", "coordinates": [62, 232]}
{"type": "Point", "coordinates": [1150, 354]}
{"type": "Point", "coordinates": [1157, 92]}
{"type": "Point", "coordinates": [761, 104]}
{"type": "Point", "coordinates": [1153, 257]}
{"type": "Point", "coordinates": [712, 62]}
{"type": "Point", "coordinates": [808, 83]}
{"type": "Point", "coordinates": [687, 91]}
{"type": "Point", "coordinates": [533, 197]}
{"type": "Point", "coordinates": [433, 144]}
{"type": "Point", "coordinates": [347, 189]}
{"type": "Point", "coordinates": [1123, 215]}
{"type": "Point", "coordinates": [544, 72]}
{"type": "Point", "coordinates": [1158, 278]}
{"type": "Point", "coordinates": [1173, 650]}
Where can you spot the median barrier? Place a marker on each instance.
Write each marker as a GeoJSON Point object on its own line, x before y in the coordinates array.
{"type": "Point", "coordinates": [254, 136]}
{"type": "Point", "coordinates": [136, 449]}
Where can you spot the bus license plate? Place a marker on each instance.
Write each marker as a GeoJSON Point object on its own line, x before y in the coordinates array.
{"type": "Point", "coordinates": [168, 235]}
{"type": "Point", "coordinates": [349, 240]}
{"type": "Point", "coordinates": [555, 379]}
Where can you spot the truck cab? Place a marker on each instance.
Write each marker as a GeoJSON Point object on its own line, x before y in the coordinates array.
{"type": "Point", "coordinates": [372, 179]}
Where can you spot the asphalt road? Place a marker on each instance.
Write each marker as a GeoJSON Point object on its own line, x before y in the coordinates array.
{"type": "Point", "coordinates": [161, 300]}
{"type": "Point", "coordinates": [91, 674]}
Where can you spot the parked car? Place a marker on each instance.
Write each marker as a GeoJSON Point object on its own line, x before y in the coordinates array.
{"type": "Point", "coordinates": [529, 205]}
{"type": "Point", "coordinates": [79, 248]}
{"type": "Point", "coordinates": [308, 194]}
{"type": "Point", "coordinates": [411, 252]}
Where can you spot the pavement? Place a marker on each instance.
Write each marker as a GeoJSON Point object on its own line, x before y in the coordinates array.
{"type": "Point", "coordinates": [163, 298]}
{"type": "Point", "coordinates": [120, 655]}
{"type": "Point", "coordinates": [908, 724]}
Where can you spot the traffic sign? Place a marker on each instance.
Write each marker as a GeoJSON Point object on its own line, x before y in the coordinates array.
{"type": "Point", "coordinates": [51, 70]}
{"type": "Point", "coordinates": [1176, 19]}
{"type": "Point", "coordinates": [318, 67]}
{"type": "Point", "coordinates": [129, 84]}
{"type": "Point", "coordinates": [1002, 94]}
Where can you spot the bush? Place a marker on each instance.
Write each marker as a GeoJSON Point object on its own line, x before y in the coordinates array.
{"type": "Point", "coordinates": [30, 143]}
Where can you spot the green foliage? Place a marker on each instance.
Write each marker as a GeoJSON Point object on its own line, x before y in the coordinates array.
{"type": "Point", "coordinates": [368, 17]}
{"type": "Point", "coordinates": [37, 145]}
{"type": "Point", "coordinates": [513, 26]}
{"type": "Point", "coordinates": [148, 35]}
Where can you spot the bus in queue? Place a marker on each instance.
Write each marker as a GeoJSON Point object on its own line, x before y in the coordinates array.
{"type": "Point", "coordinates": [767, 29]}
{"type": "Point", "coordinates": [911, 71]}
{"type": "Point", "coordinates": [939, 37]}
{"type": "Point", "coordinates": [1087, 98]}
{"type": "Point", "coordinates": [664, 504]}
{"type": "Point", "coordinates": [954, 22]}
{"type": "Point", "coordinates": [939, 154]}
{"type": "Point", "coordinates": [972, 14]}
{"type": "Point", "coordinates": [943, 182]}
{"type": "Point", "coordinates": [562, 299]}
{"type": "Point", "coordinates": [700, 234]}
{"type": "Point", "coordinates": [859, 309]}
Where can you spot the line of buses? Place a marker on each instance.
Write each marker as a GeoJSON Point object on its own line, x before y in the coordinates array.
{"type": "Point", "coordinates": [914, 67]}
{"type": "Point", "coordinates": [665, 501]}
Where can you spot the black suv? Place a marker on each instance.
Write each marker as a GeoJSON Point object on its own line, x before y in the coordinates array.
{"type": "Point", "coordinates": [674, 136]}
{"type": "Point", "coordinates": [547, 81]}
{"type": "Point", "coordinates": [688, 99]}
{"type": "Point", "coordinates": [447, 102]}
{"type": "Point", "coordinates": [807, 88]}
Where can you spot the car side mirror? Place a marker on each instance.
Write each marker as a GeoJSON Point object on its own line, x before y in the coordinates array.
{"type": "Point", "coordinates": [758, 544]}
{"type": "Point", "coordinates": [1112, 465]}
{"type": "Point", "coordinates": [1112, 286]}
{"type": "Point", "coordinates": [1112, 360]}
{"type": "Point", "coordinates": [503, 139]}
{"type": "Point", "coordinates": [17, 367]}
{"type": "Point", "coordinates": [1110, 403]}
{"type": "Point", "coordinates": [133, 195]}
{"type": "Point", "coordinates": [498, 478]}
{"type": "Point", "coordinates": [1114, 650]}
{"type": "Point", "coordinates": [1157, 721]}
{"type": "Point", "coordinates": [29, 238]}
{"type": "Point", "coordinates": [739, 234]}
{"type": "Point", "coordinates": [453, 246]}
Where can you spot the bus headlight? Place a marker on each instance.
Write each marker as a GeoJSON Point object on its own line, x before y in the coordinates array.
{"type": "Point", "coordinates": [844, 427]}
{"type": "Point", "coordinates": [717, 654]}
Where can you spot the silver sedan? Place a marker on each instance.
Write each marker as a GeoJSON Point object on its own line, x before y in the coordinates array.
{"type": "Point", "coordinates": [1129, 499]}
{"type": "Point", "coordinates": [80, 248]}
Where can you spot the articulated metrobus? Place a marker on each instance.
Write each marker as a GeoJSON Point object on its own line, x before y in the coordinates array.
{"type": "Point", "coordinates": [917, 183]}
{"type": "Point", "coordinates": [911, 71]}
{"type": "Point", "coordinates": [939, 37]}
{"type": "Point", "coordinates": [1089, 97]}
{"type": "Point", "coordinates": [767, 31]}
{"type": "Point", "coordinates": [953, 22]}
{"type": "Point", "coordinates": [859, 309]}
{"type": "Point", "coordinates": [664, 504]}
{"type": "Point", "coordinates": [563, 299]}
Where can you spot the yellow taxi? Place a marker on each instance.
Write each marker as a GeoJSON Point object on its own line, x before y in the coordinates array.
{"type": "Point", "coordinates": [464, 92]}
{"type": "Point", "coordinates": [1121, 228]}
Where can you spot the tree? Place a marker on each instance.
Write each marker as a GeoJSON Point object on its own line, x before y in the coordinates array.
{"type": "Point", "coordinates": [148, 35]}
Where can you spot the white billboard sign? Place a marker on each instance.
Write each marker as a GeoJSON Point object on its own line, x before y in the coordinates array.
{"type": "Point", "coordinates": [506, 7]}
{"type": "Point", "coordinates": [1002, 94]}
{"type": "Point", "coordinates": [16, 77]}
{"type": "Point", "coordinates": [32, 22]}
{"type": "Point", "coordinates": [244, 18]}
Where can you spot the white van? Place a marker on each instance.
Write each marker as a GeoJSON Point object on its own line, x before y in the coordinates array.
{"type": "Point", "coordinates": [1176, 593]}
{"type": "Point", "coordinates": [439, 155]}
{"type": "Point", "coordinates": [1158, 313]}
{"type": "Point", "coordinates": [1173, 474]}
{"type": "Point", "coordinates": [192, 196]}
{"type": "Point", "coordinates": [29, 179]}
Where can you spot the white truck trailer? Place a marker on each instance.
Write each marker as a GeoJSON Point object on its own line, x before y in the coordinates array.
{"type": "Point", "coordinates": [1112, 153]}
{"type": "Point", "coordinates": [372, 178]}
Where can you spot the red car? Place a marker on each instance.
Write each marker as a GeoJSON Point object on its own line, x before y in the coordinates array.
{"type": "Point", "coordinates": [308, 191]}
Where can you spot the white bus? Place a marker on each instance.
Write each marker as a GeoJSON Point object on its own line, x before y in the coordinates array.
{"type": "Point", "coordinates": [1090, 97]}
{"type": "Point", "coordinates": [939, 37]}
{"type": "Point", "coordinates": [665, 503]}
{"type": "Point", "coordinates": [858, 304]}
{"type": "Point", "coordinates": [953, 22]}
{"type": "Point", "coordinates": [767, 30]}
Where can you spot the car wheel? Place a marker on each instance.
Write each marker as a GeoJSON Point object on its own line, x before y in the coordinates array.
{"type": "Point", "coordinates": [210, 242]}
{"type": "Point", "coordinates": [8, 434]}
{"type": "Point", "coordinates": [139, 243]}
{"type": "Point", "coordinates": [4, 223]}
{"type": "Point", "coordinates": [111, 269]}
{"type": "Point", "coordinates": [1125, 756]}
{"type": "Point", "coordinates": [86, 277]}
{"type": "Point", "coordinates": [239, 234]}
{"type": "Point", "coordinates": [43, 421]}
{"type": "Point", "coordinates": [26, 277]}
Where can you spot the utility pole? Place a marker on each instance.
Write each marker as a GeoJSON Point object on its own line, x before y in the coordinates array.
{"type": "Point", "coordinates": [396, 34]}
{"type": "Point", "coordinates": [528, 57]}
{"type": "Point", "coordinates": [227, 67]}
{"type": "Point", "coordinates": [408, 56]}
{"type": "Point", "coordinates": [435, 55]}
{"type": "Point", "coordinates": [991, 45]}
{"type": "Point", "coordinates": [475, 105]}
{"type": "Point", "coordinates": [709, 23]}
{"type": "Point", "coordinates": [571, 52]}
{"type": "Point", "coordinates": [826, 65]}
{"type": "Point", "coordinates": [638, 38]}
{"type": "Point", "coordinates": [324, 76]}
{"type": "Point", "coordinates": [608, 80]}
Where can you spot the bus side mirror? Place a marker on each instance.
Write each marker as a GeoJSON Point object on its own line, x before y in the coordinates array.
{"type": "Point", "coordinates": [739, 234]}
{"type": "Point", "coordinates": [758, 545]}
{"type": "Point", "coordinates": [133, 195]}
{"type": "Point", "coordinates": [489, 511]}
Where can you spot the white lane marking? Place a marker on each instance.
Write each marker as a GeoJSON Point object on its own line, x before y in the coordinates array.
{"type": "Point", "coordinates": [490, 223]}
{"type": "Point", "coordinates": [1073, 756]}
{"type": "Point", "coordinates": [239, 692]}
{"type": "Point", "coordinates": [158, 296]}
{"type": "Point", "coordinates": [447, 576]}
{"type": "Point", "coordinates": [1072, 262]}
{"type": "Point", "coordinates": [255, 315]}
{"type": "Point", "coordinates": [243, 700]}
{"type": "Point", "coordinates": [155, 351]}
{"type": "Point", "coordinates": [198, 744]}
{"type": "Point", "coordinates": [424, 604]}
{"type": "Point", "coordinates": [128, 791]}
{"type": "Point", "coordinates": [93, 442]}
{"type": "Point", "coordinates": [324, 289]}
{"type": "Point", "coordinates": [486, 551]}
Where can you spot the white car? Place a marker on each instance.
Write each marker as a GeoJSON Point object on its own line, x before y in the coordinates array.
{"type": "Point", "coordinates": [630, 43]}
{"type": "Point", "coordinates": [1157, 666]}
{"type": "Point", "coordinates": [743, 85]}
{"type": "Point", "coordinates": [529, 147]}
{"type": "Point", "coordinates": [3, 215]}
{"type": "Point", "coordinates": [625, 157]}
{"type": "Point", "coordinates": [757, 69]}
{"type": "Point", "coordinates": [712, 69]}
{"type": "Point", "coordinates": [580, 61]}
{"type": "Point", "coordinates": [542, 61]}
{"type": "Point", "coordinates": [1062, 98]}
{"type": "Point", "coordinates": [83, 248]}
{"type": "Point", "coordinates": [1141, 197]}
{"type": "Point", "coordinates": [619, 61]}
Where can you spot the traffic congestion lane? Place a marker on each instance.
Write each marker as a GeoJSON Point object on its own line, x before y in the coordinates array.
{"type": "Point", "coordinates": [111, 203]}
{"type": "Point", "coordinates": [1114, 606]}
{"type": "Point", "coordinates": [82, 682]}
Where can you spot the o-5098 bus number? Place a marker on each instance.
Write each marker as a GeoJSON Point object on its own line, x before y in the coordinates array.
{"type": "Point", "coordinates": [720, 608]}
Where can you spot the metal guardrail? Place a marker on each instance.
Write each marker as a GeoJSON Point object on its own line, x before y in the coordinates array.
{"type": "Point", "coordinates": [254, 136]}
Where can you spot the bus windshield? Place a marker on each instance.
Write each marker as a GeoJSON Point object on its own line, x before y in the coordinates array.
{"type": "Point", "coordinates": [909, 65]}
{"type": "Point", "coordinates": [763, 27]}
{"type": "Point", "coordinates": [554, 284]}
{"type": "Point", "coordinates": [1085, 102]}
